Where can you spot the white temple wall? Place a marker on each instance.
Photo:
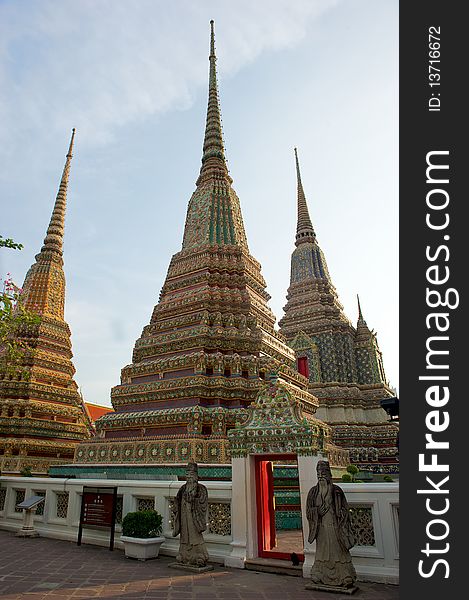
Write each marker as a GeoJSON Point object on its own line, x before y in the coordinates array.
{"type": "Point", "coordinates": [62, 506]}
{"type": "Point", "coordinates": [231, 536]}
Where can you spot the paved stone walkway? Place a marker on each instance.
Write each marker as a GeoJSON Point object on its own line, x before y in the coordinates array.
{"type": "Point", "coordinates": [52, 569]}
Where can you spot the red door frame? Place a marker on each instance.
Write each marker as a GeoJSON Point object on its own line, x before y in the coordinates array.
{"type": "Point", "coordinates": [265, 504]}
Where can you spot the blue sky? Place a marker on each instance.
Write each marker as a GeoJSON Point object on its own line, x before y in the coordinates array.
{"type": "Point", "coordinates": [132, 78]}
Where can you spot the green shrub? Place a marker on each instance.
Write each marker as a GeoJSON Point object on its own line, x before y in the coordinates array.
{"type": "Point", "coordinates": [142, 524]}
{"type": "Point", "coordinates": [26, 472]}
{"type": "Point", "coordinates": [388, 478]}
{"type": "Point", "coordinates": [352, 470]}
{"type": "Point", "coordinates": [346, 478]}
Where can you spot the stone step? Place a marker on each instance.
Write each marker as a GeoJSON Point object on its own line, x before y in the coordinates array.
{"type": "Point", "coordinates": [273, 565]}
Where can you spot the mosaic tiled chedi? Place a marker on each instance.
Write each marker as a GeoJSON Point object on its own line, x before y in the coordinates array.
{"type": "Point", "coordinates": [343, 363]}
{"type": "Point", "coordinates": [42, 415]}
{"type": "Point", "coordinates": [210, 345]}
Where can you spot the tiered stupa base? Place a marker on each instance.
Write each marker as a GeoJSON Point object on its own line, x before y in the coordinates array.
{"type": "Point", "coordinates": [180, 448]}
{"type": "Point", "coordinates": [359, 425]}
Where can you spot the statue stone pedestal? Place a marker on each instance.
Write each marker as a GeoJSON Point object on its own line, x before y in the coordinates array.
{"type": "Point", "coordinates": [331, 588]}
{"type": "Point", "coordinates": [184, 567]}
{"type": "Point", "coordinates": [27, 530]}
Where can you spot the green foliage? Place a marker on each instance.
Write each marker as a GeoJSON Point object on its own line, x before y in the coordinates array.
{"type": "Point", "coordinates": [352, 470]}
{"type": "Point", "coordinates": [346, 478]}
{"type": "Point", "coordinates": [142, 524]}
{"type": "Point", "coordinates": [26, 472]}
{"type": "Point", "coordinates": [388, 478]}
{"type": "Point", "coordinates": [14, 319]}
{"type": "Point", "coordinates": [9, 243]}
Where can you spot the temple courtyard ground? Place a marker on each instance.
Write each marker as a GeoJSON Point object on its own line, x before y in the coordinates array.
{"type": "Point", "coordinates": [44, 568]}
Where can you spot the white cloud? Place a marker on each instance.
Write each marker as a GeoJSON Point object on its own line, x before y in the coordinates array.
{"type": "Point", "coordinates": [101, 64]}
{"type": "Point", "coordinates": [104, 65]}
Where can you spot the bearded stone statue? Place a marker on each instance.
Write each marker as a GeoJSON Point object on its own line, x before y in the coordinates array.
{"type": "Point", "coordinates": [329, 524]}
{"type": "Point", "coordinates": [191, 520]}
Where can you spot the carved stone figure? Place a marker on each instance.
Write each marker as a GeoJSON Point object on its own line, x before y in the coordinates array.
{"type": "Point", "coordinates": [191, 520]}
{"type": "Point", "coordinates": [329, 524]}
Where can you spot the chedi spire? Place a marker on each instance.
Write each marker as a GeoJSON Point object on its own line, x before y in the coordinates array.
{"type": "Point", "coordinates": [343, 363]}
{"type": "Point", "coordinates": [213, 158]}
{"type": "Point", "coordinates": [44, 286]}
{"type": "Point", "coordinates": [214, 214]}
{"type": "Point", "coordinates": [211, 343]}
{"type": "Point", "coordinates": [55, 232]}
{"type": "Point", "coordinates": [304, 229]}
{"type": "Point", "coordinates": [44, 414]}
{"type": "Point", "coordinates": [362, 330]}
{"type": "Point", "coordinates": [360, 314]}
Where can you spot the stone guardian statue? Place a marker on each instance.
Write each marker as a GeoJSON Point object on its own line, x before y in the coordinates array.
{"type": "Point", "coordinates": [329, 524]}
{"type": "Point", "coordinates": [191, 521]}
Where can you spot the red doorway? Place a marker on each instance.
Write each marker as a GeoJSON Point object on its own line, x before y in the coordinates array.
{"type": "Point", "coordinates": [272, 544]}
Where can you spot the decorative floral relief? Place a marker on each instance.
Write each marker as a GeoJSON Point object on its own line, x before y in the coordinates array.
{"type": "Point", "coordinates": [219, 518]}
{"type": "Point", "coordinates": [61, 505]}
{"type": "Point", "coordinates": [145, 504]}
{"type": "Point", "coordinates": [362, 523]}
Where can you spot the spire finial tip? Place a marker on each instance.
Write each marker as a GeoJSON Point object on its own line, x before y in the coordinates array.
{"type": "Point", "coordinates": [360, 315]}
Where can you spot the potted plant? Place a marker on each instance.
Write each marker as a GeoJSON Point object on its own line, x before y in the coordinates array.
{"type": "Point", "coordinates": [141, 534]}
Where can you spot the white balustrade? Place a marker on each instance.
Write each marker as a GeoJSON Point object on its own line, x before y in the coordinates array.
{"type": "Point", "coordinates": [61, 515]}
{"type": "Point", "coordinates": [375, 514]}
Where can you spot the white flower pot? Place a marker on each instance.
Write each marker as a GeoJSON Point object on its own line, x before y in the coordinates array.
{"type": "Point", "coordinates": [142, 548]}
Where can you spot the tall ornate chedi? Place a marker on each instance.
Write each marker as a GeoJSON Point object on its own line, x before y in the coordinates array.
{"type": "Point", "coordinates": [210, 344]}
{"type": "Point", "coordinates": [42, 413]}
{"type": "Point", "coordinates": [343, 363]}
